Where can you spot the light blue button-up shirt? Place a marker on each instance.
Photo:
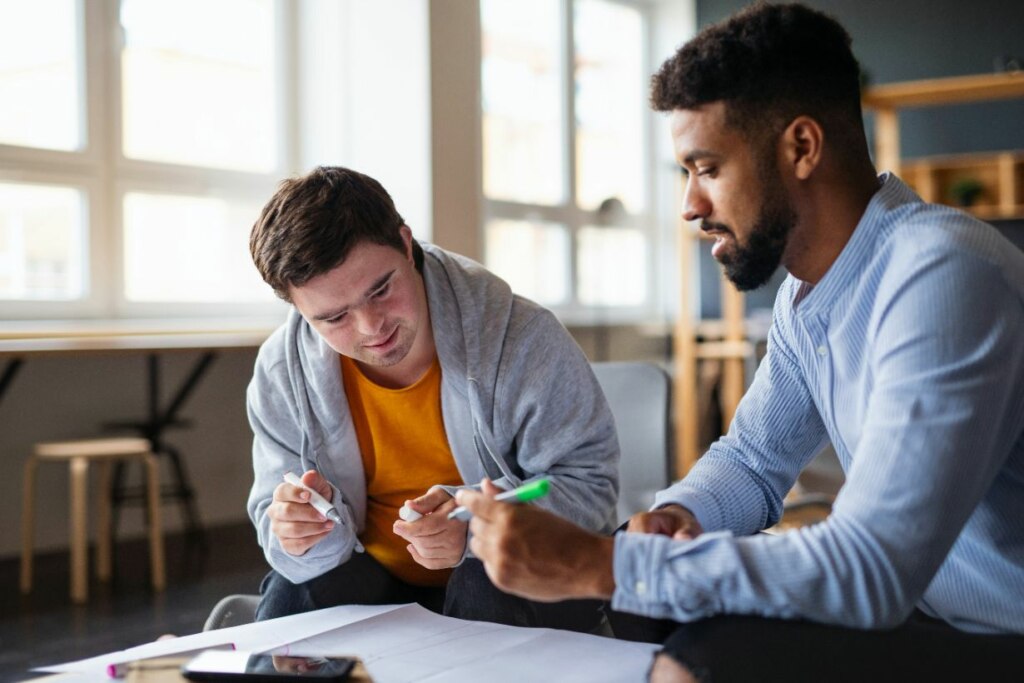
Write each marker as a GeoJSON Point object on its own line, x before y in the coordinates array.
{"type": "Point", "coordinates": [909, 356]}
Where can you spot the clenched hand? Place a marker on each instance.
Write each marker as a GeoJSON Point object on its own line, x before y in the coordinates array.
{"type": "Point", "coordinates": [535, 554]}
{"type": "Point", "coordinates": [435, 541]}
{"type": "Point", "coordinates": [672, 520]}
{"type": "Point", "coordinates": [296, 523]}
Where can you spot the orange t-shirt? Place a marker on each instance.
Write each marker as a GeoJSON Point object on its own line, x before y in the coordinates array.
{"type": "Point", "coordinates": [405, 451]}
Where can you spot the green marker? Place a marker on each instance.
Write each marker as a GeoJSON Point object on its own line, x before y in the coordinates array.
{"type": "Point", "coordinates": [523, 494]}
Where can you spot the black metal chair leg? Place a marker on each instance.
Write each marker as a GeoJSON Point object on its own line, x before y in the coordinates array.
{"type": "Point", "coordinates": [117, 499]}
{"type": "Point", "coordinates": [185, 495]}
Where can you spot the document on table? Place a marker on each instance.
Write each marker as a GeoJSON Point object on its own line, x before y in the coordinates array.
{"type": "Point", "coordinates": [412, 643]}
{"type": "Point", "coordinates": [404, 643]}
{"type": "Point", "coordinates": [258, 637]}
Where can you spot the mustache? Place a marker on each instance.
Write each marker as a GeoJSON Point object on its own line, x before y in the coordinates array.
{"type": "Point", "coordinates": [711, 226]}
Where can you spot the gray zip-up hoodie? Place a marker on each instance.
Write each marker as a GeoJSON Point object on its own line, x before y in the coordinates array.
{"type": "Point", "coordinates": [518, 398]}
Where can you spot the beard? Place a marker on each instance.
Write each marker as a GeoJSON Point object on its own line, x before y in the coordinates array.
{"type": "Point", "coordinates": [751, 264]}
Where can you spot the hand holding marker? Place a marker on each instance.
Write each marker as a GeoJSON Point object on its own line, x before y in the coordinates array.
{"type": "Point", "coordinates": [408, 514]}
{"type": "Point", "coordinates": [321, 504]}
{"type": "Point", "coordinates": [523, 494]}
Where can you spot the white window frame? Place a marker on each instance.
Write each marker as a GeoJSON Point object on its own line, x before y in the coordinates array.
{"type": "Point", "coordinates": [569, 214]}
{"type": "Point", "coordinates": [104, 175]}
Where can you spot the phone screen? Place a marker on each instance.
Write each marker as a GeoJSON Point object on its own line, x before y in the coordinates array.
{"type": "Point", "coordinates": [224, 665]}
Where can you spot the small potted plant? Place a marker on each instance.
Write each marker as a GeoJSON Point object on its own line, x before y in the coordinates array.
{"type": "Point", "coordinates": [966, 191]}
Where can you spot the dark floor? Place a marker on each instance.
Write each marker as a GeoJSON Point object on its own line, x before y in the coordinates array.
{"type": "Point", "coordinates": [43, 628]}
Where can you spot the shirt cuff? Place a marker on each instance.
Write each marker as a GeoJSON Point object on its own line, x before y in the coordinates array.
{"type": "Point", "coordinates": [637, 564]}
{"type": "Point", "coordinates": [700, 505]}
{"type": "Point", "coordinates": [656, 576]}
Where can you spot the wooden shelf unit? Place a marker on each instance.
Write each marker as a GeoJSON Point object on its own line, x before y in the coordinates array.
{"type": "Point", "coordinates": [695, 340]}
{"type": "Point", "coordinates": [1001, 174]}
{"type": "Point", "coordinates": [887, 101]}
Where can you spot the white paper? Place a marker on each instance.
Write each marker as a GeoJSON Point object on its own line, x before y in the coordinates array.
{"type": "Point", "coordinates": [413, 644]}
{"type": "Point", "coordinates": [407, 643]}
{"type": "Point", "coordinates": [260, 636]}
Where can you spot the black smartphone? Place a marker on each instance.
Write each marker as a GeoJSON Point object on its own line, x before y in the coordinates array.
{"type": "Point", "coordinates": [227, 666]}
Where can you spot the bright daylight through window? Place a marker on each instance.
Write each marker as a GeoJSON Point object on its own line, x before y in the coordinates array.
{"type": "Point", "coordinates": [566, 163]}
{"type": "Point", "coordinates": [134, 157]}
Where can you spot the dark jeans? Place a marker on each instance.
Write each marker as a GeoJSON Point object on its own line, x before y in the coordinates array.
{"type": "Point", "coordinates": [744, 648]}
{"type": "Point", "coordinates": [469, 595]}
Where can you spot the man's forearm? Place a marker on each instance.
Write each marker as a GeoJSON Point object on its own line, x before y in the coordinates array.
{"type": "Point", "coordinates": [600, 575]}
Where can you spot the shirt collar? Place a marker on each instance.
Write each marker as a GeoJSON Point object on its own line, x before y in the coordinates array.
{"type": "Point", "coordinates": [844, 272]}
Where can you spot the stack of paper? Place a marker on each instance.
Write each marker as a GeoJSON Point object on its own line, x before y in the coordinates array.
{"type": "Point", "coordinates": [405, 643]}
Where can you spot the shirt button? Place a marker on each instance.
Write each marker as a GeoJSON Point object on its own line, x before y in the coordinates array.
{"type": "Point", "coordinates": [641, 588]}
{"type": "Point", "coordinates": [822, 351]}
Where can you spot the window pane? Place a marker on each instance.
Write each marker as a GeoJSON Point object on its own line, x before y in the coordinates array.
{"type": "Point", "coordinates": [610, 104]}
{"type": "Point", "coordinates": [611, 264]}
{"type": "Point", "coordinates": [42, 253]}
{"type": "Point", "coordinates": [522, 101]}
{"type": "Point", "coordinates": [179, 248]}
{"type": "Point", "coordinates": [532, 256]}
{"type": "Point", "coordinates": [198, 82]}
{"type": "Point", "coordinates": [39, 74]}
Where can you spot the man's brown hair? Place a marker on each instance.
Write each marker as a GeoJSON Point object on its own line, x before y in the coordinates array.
{"type": "Point", "coordinates": [313, 222]}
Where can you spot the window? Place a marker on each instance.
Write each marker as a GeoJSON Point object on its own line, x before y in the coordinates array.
{"type": "Point", "coordinates": [41, 242]}
{"type": "Point", "coordinates": [164, 231]}
{"type": "Point", "coordinates": [566, 154]}
{"type": "Point", "coordinates": [197, 82]}
{"type": "Point", "coordinates": [138, 141]}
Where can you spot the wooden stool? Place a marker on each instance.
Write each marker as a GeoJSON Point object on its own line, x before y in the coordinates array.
{"type": "Point", "coordinates": [79, 454]}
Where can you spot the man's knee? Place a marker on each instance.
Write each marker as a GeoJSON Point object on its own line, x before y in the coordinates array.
{"type": "Point", "coordinates": [279, 597]}
{"type": "Point", "coordinates": [706, 647]}
{"type": "Point", "coordinates": [665, 669]}
{"type": "Point", "coordinates": [360, 579]}
{"type": "Point", "coordinates": [472, 595]}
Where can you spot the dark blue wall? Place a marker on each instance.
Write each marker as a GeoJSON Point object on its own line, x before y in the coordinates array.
{"type": "Point", "coordinates": [900, 40]}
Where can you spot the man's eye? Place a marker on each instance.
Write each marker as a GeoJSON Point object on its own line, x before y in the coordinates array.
{"type": "Point", "coordinates": [709, 171]}
{"type": "Point", "coordinates": [337, 318]}
{"type": "Point", "coordinates": [382, 291]}
{"type": "Point", "coordinates": [685, 172]}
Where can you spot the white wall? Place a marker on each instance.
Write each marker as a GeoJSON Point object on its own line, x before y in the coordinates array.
{"type": "Point", "coordinates": [456, 144]}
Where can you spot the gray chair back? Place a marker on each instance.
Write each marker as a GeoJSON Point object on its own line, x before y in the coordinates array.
{"type": "Point", "coordinates": [232, 610]}
{"type": "Point", "coordinates": [638, 394]}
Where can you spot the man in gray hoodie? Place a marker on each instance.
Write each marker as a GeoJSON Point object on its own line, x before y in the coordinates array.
{"type": "Point", "coordinates": [402, 373]}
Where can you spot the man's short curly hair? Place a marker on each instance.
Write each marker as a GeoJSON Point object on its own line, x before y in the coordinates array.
{"type": "Point", "coordinates": [768, 64]}
{"type": "Point", "coordinates": [313, 222]}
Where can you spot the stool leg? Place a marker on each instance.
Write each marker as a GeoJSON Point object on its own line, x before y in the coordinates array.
{"type": "Point", "coordinates": [104, 543]}
{"type": "Point", "coordinates": [156, 540]}
{"type": "Point", "coordinates": [79, 530]}
{"type": "Point", "coordinates": [28, 509]}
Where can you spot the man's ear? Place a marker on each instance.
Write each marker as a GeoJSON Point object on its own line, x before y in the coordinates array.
{"type": "Point", "coordinates": [802, 145]}
{"type": "Point", "coordinates": [407, 239]}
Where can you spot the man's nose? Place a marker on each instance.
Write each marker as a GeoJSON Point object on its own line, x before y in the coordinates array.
{"type": "Point", "coordinates": [370, 320]}
{"type": "Point", "coordinates": [695, 203]}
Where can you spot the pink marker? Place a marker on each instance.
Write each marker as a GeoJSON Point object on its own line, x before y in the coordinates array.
{"type": "Point", "coordinates": [121, 669]}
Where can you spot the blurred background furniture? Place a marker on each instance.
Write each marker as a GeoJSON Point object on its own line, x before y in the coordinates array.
{"type": "Point", "coordinates": [79, 455]}
{"type": "Point", "coordinates": [998, 176]}
{"type": "Point", "coordinates": [232, 610]}
{"type": "Point", "coordinates": [153, 339]}
{"type": "Point", "coordinates": [638, 393]}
